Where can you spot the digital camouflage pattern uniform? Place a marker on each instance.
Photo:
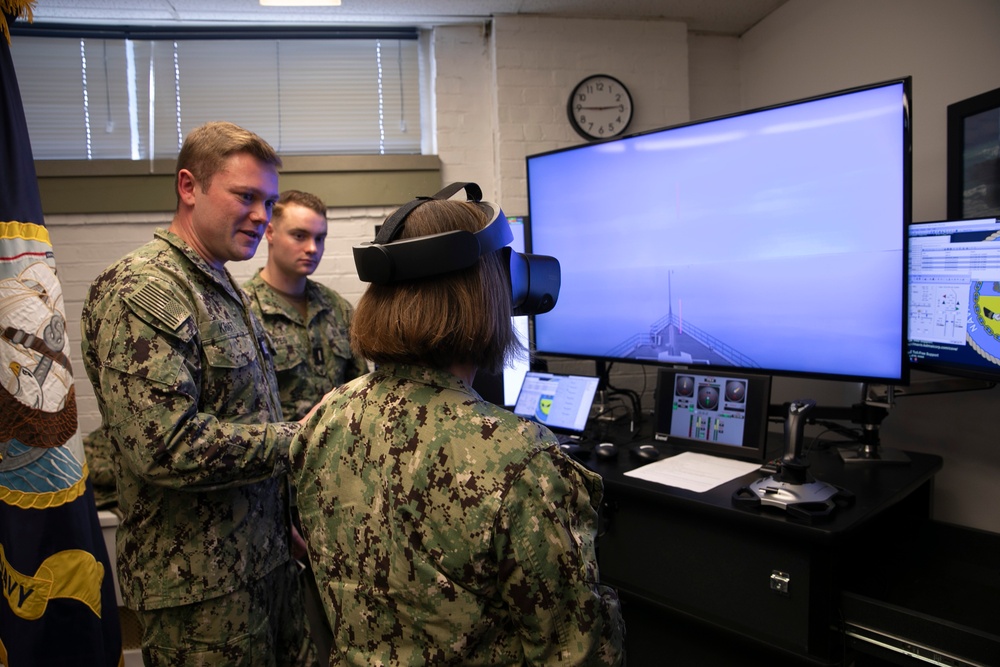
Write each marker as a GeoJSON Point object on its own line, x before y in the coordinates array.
{"type": "Point", "coordinates": [185, 388]}
{"type": "Point", "coordinates": [311, 357]}
{"type": "Point", "coordinates": [97, 449]}
{"type": "Point", "coordinates": [444, 530]}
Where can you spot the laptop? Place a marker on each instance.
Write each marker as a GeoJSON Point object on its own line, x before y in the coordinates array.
{"type": "Point", "coordinates": [560, 402]}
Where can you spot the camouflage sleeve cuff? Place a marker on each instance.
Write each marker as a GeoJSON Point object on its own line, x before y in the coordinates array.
{"type": "Point", "coordinates": [280, 436]}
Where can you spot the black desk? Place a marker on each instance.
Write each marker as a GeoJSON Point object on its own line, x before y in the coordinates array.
{"type": "Point", "coordinates": [747, 583]}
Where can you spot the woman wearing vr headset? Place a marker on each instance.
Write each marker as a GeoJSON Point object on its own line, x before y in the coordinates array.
{"type": "Point", "coordinates": [444, 530]}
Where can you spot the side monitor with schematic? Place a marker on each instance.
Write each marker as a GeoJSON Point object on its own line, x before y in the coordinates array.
{"type": "Point", "coordinates": [534, 279]}
{"type": "Point", "coordinates": [792, 488]}
{"type": "Point", "coordinates": [724, 414]}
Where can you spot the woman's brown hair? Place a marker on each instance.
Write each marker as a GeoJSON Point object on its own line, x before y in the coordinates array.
{"type": "Point", "coordinates": [461, 317]}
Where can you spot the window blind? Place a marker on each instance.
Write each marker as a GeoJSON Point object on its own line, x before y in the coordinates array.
{"type": "Point", "coordinates": [125, 98]}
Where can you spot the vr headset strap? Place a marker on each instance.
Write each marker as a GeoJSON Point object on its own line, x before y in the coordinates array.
{"type": "Point", "coordinates": [394, 225]}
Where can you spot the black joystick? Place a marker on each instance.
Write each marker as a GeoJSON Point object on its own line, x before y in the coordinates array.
{"type": "Point", "coordinates": [795, 469]}
{"type": "Point", "coordinates": [792, 488]}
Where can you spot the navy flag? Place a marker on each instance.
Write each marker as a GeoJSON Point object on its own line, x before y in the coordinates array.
{"type": "Point", "coordinates": [58, 605]}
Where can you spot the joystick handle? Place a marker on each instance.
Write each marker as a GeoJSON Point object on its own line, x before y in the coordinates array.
{"type": "Point", "coordinates": [795, 423]}
{"type": "Point", "coordinates": [795, 469]}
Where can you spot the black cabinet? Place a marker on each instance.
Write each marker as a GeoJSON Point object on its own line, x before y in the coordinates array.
{"type": "Point", "coordinates": [701, 576]}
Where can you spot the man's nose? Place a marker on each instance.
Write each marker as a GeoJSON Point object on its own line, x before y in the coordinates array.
{"type": "Point", "coordinates": [261, 212]}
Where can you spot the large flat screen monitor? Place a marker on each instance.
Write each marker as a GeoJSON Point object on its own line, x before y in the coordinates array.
{"type": "Point", "coordinates": [954, 283]}
{"type": "Point", "coordinates": [772, 240]}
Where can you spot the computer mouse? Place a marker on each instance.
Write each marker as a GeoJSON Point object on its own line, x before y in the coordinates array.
{"type": "Point", "coordinates": [646, 452]}
{"type": "Point", "coordinates": [606, 451]}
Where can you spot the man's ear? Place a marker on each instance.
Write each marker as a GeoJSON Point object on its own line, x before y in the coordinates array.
{"type": "Point", "coordinates": [186, 186]}
{"type": "Point", "coordinates": [269, 232]}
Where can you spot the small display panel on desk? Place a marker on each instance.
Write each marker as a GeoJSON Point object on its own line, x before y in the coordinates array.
{"type": "Point", "coordinates": [723, 414]}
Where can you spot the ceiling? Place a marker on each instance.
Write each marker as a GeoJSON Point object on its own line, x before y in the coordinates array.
{"type": "Point", "coordinates": [725, 17]}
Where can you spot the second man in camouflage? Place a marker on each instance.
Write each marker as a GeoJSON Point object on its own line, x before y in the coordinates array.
{"type": "Point", "coordinates": [308, 322]}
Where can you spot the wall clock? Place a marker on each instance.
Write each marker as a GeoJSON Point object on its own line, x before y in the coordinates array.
{"type": "Point", "coordinates": [599, 107]}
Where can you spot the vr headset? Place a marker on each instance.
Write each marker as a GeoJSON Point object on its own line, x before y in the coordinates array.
{"type": "Point", "coordinates": [534, 279]}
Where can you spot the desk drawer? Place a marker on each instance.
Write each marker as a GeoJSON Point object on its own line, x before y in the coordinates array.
{"type": "Point", "coordinates": [718, 572]}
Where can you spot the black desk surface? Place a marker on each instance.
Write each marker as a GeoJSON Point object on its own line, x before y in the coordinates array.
{"type": "Point", "coordinates": [875, 486]}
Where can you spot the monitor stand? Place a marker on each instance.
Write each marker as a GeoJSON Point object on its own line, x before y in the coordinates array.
{"type": "Point", "coordinates": [869, 449]}
{"type": "Point", "coordinates": [870, 413]}
{"type": "Point", "coordinates": [601, 410]}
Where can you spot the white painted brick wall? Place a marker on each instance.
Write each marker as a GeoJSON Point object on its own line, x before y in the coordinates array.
{"type": "Point", "coordinates": [463, 88]}
{"type": "Point", "coordinates": [539, 60]}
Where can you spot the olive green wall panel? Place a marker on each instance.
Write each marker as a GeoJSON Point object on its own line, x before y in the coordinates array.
{"type": "Point", "coordinates": [120, 186]}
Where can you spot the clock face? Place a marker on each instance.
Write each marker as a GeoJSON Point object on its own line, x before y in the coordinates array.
{"type": "Point", "coordinates": [600, 107]}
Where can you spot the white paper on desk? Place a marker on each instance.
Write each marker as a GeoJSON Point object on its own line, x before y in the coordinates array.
{"type": "Point", "coordinates": [693, 471]}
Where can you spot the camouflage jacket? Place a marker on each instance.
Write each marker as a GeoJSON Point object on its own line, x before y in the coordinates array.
{"type": "Point", "coordinates": [186, 391]}
{"type": "Point", "coordinates": [97, 449]}
{"type": "Point", "coordinates": [444, 530]}
{"type": "Point", "coordinates": [310, 358]}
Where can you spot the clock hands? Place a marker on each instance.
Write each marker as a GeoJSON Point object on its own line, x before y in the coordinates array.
{"type": "Point", "coordinates": [613, 106]}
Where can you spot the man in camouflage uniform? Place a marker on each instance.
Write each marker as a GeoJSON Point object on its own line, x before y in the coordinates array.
{"type": "Point", "coordinates": [308, 322]}
{"type": "Point", "coordinates": [444, 530]}
{"type": "Point", "coordinates": [184, 384]}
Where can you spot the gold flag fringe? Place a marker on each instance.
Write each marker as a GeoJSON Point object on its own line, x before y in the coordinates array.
{"type": "Point", "coordinates": [15, 9]}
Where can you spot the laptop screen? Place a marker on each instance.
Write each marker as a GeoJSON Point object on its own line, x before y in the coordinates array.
{"type": "Point", "coordinates": [561, 402]}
